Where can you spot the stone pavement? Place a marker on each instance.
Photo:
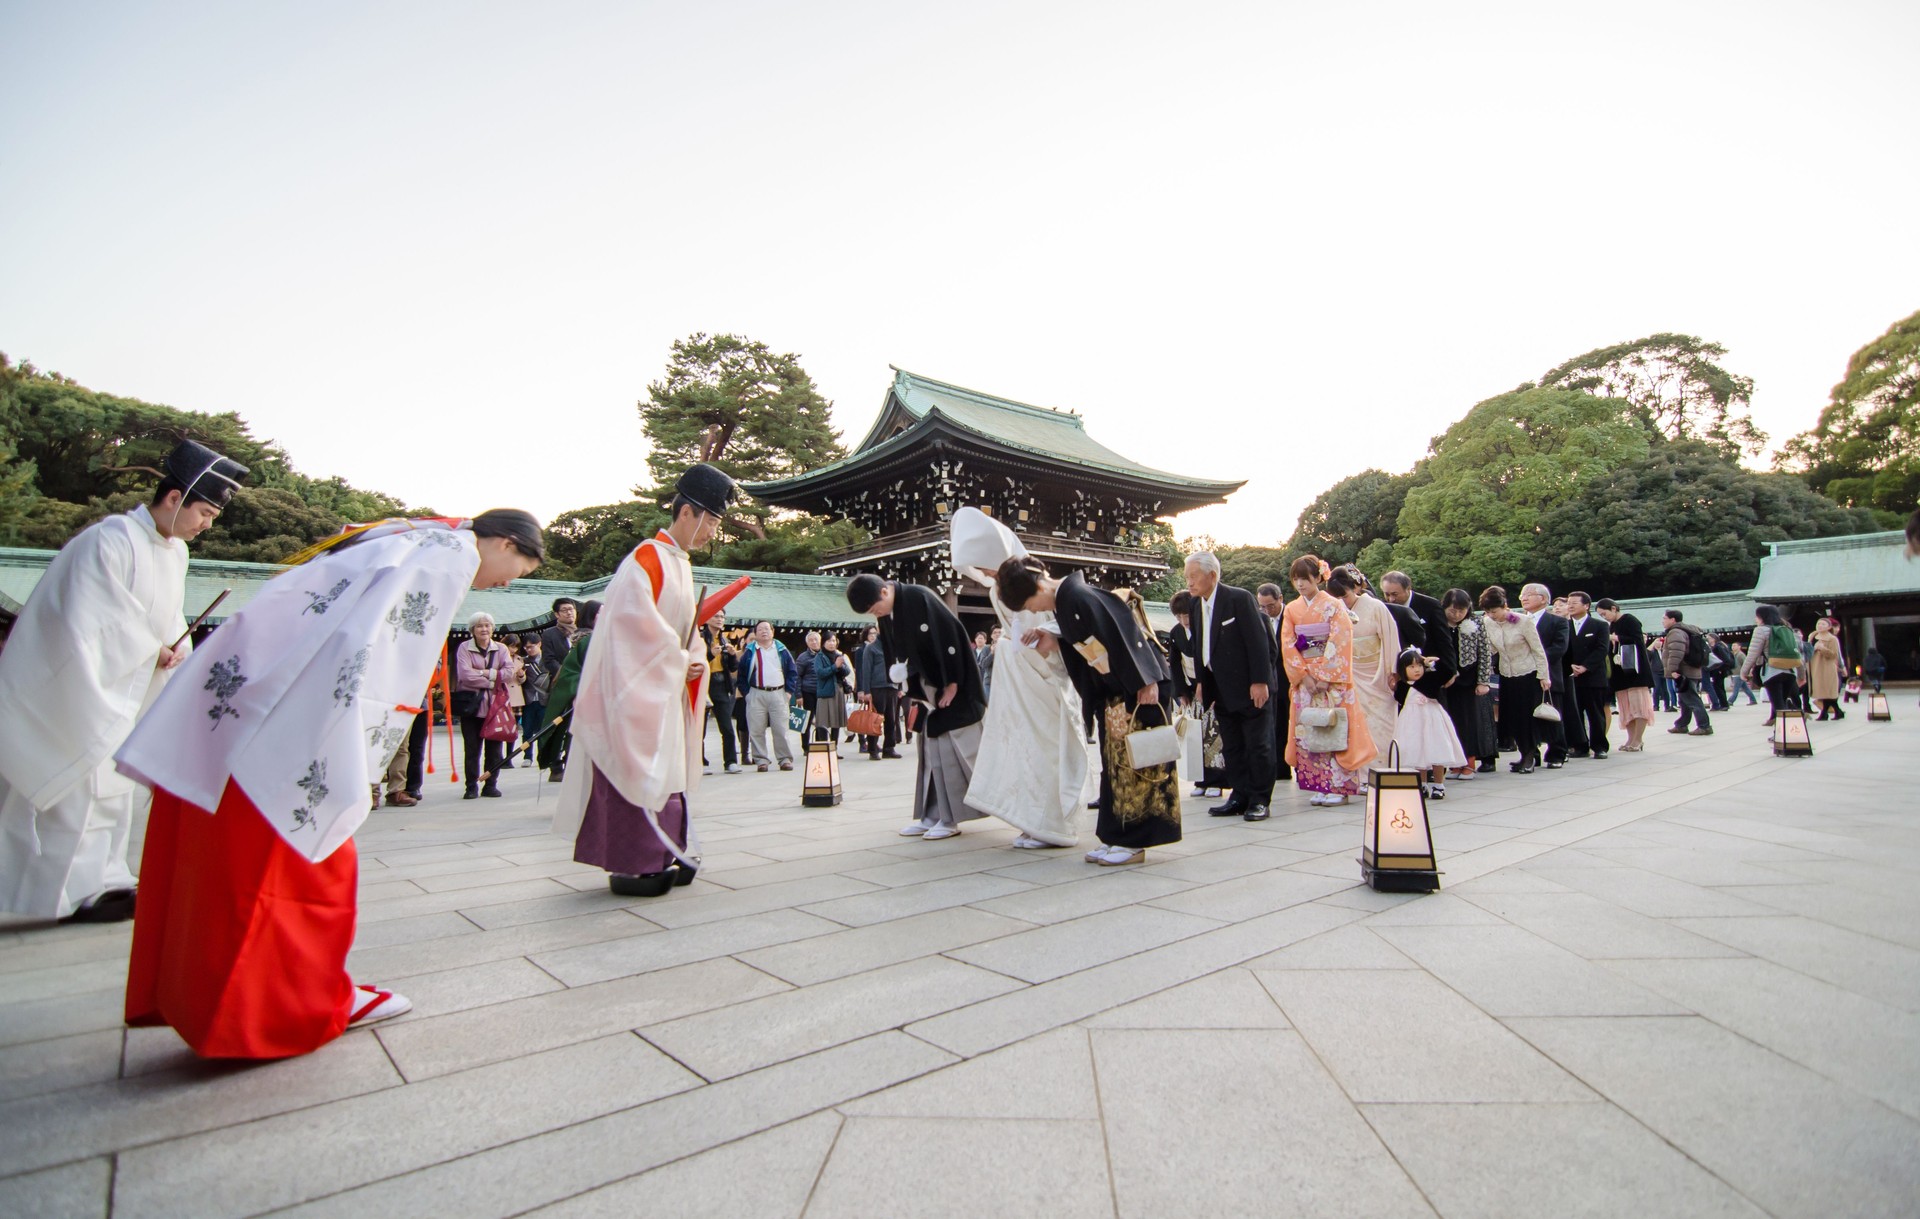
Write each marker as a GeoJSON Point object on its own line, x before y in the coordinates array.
{"type": "Point", "coordinates": [1679, 983]}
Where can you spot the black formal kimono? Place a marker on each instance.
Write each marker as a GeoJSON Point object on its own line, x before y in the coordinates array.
{"type": "Point", "coordinates": [1138, 808]}
{"type": "Point", "coordinates": [924, 634]}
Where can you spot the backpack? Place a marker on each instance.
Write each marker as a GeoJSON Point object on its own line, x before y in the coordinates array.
{"type": "Point", "coordinates": [1722, 656]}
{"type": "Point", "coordinates": [1697, 652]}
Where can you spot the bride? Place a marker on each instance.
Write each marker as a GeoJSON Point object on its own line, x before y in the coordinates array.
{"type": "Point", "coordinates": [1032, 768]}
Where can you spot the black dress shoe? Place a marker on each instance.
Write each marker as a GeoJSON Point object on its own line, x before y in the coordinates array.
{"type": "Point", "coordinates": [473, 793]}
{"type": "Point", "coordinates": [1555, 765]}
{"type": "Point", "coordinates": [1232, 808]}
{"type": "Point", "coordinates": [1258, 812]}
{"type": "Point", "coordinates": [647, 884]}
{"type": "Point", "coordinates": [1525, 768]}
{"type": "Point", "coordinates": [1581, 753]}
{"type": "Point", "coordinates": [1601, 756]}
{"type": "Point", "coordinates": [683, 873]}
{"type": "Point", "coordinates": [490, 791]}
{"type": "Point", "coordinates": [113, 906]}
{"type": "Point", "coordinates": [1487, 767]}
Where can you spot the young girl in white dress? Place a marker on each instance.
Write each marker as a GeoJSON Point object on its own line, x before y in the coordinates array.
{"type": "Point", "coordinates": [1424, 731]}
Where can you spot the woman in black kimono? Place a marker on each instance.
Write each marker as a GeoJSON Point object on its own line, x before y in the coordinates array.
{"type": "Point", "coordinates": [1122, 676]}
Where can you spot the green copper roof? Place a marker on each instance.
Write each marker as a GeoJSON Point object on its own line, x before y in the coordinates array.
{"type": "Point", "coordinates": [1857, 565]}
{"type": "Point", "coordinates": [1708, 611]}
{"type": "Point", "coordinates": [1060, 436]}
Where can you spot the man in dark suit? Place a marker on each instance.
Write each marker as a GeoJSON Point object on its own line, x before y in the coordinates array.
{"type": "Point", "coordinates": [557, 640]}
{"type": "Point", "coordinates": [1556, 635]}
{"type": "Point", "coordinates": [1411, 609]}
{"type": "Point", "coordinates": [1587, 667]}
{"type": "Point", "coordinates": [1233, 659]}
{"type": "Point", "coordinates": [1272, 606]}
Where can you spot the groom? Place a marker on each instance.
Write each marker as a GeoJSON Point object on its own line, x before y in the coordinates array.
{"type": "Point", "coordinates": [1234, 664]}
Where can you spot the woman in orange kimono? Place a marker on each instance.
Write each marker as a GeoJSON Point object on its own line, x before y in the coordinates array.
{"type": "Point", "coordinates": [1316, 645]}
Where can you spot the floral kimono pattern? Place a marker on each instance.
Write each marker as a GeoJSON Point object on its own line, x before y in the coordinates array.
{"type": "Point", "coordinates": [1316, 640]}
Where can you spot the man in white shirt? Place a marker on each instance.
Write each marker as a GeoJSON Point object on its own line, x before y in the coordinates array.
{"type": "Point", "coordinates": [89, 654]}
{"type": "Point", "coordinates": [768, 675]}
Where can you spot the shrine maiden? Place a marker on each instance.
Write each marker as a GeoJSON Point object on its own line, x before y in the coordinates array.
{"type": "Point", "coordinates": [260, 754]}
{"type": "Point", "coordinates": [91, 651]}
{"type": "Point", "coordinates": [641, 705]}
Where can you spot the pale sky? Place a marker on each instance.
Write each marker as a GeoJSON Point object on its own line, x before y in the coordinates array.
{"type": "Point", "coordinates": [440, 249]}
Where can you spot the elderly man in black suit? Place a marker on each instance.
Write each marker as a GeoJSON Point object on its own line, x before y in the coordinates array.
{"type": "Point", "coordinates": [1556, 636]}
{"type": "Point", "coordinates": [1272, 605]}
{"type": "Point", "coordinates": [1587, 667]}
{"type": "Point", "coordinates": [1411, 609]}
{"type": "Point", "coordinates": [1233, 660]}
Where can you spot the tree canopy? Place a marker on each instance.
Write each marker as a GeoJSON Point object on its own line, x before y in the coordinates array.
{"type": "Point", "coordinates": [70, 455]}
{"type": "Point", "coordinates": [1674, 387]}
{"type": "Point", "coordinates": [1864, 450]}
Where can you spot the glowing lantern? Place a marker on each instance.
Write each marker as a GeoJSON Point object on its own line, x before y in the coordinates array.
{"type": "Point", "coordinates": [1396, 849]}
{"type": "Point", "coordinates": [1790, 736]}
{"type": "Point", "coordinates": [820, 788]}
{"type": "Point", "coordinates": [1878, 708]}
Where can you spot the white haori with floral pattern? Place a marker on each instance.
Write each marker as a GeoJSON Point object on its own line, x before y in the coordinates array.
{"type": "Point", "coordinates": [304, 695]}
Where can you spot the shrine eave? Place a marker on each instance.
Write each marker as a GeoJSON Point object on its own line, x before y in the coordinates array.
{"type": "Point", "coordinates": [936, 431]}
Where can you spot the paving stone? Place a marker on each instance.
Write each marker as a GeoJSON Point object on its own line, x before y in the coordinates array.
{"type": "Point", "coordinates": [1182, 1111]}
{"type": "Point", "coordinates": [688, 912]}
{"type": "Point", "coordinates": [586, 964]}
{"type": "Point", "coordinates": [1049, 1077]}
{"type": "Point", "coordinates": [64, 1062]}
{"type": "Point", "coordinates": [471, 900]}
{"type": "Point", "coordinates": [71, 1191]}
{"type": "Point", "coordinates": [515, 1177]}
{"type": "Point", "coordinates": [822, 958]}
{"type": "Point", "coordinates": [1106, 889]}
{"type": "Point", "coordinates": [459, 1041]}
{"type": "Point", "coordinates": [1216, 866]}
{"type": "Point", "coordinates": [53, 981]}
{"type": "Point", "coordinates": [353, 1141]}
{"type": "Point", "coordinates": [62, 1016]}
{"type": "Point", "coordinates": [1867, 913]}
{"type": "Point", "coordinates": [884, 904]}
{"type": "Point", "coordinates": [1230, 999]}
{"type": "Point", "coordinates": [1351, 947]}
{"type": "Point", "coordinates": [1651, 894]}
{"type": "Point", "coordinates": [1491, 1161]}
{"type": "Point", "coordinates": [471, 986]}
{"type": "Point", "coordinates": [767, 1176]}
{"type": "Point", "coordinates": [895, 1166]}
{"type": "Point", "coordinates": [1508, 971]}
{"type": "Point", "coordinates": [1400, 1036]}
{"type": "Point", "coordinates": [455, 952]}
{"type": "Point", "coordinates": [1044, 953]}
{"type": "Point", "coordinates": [1793, 1142]}
{"type": "Point", "coordinates": [1249, 896]}
{"type": "Point", "coordinates": [80, 1122]}
{"type": "Point", "coordinates": [1595, 929]}
{"type": "Point", "coordinates": [1872, 1048]}
{"type": "Point", "coordinates": [1889, 973]}
{"type": "Point", "coordinates": [417, 929]}
{"type": "Point", "coordinates": [746, 1036]}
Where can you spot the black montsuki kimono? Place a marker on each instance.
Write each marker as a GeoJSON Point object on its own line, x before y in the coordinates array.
{"type": "Point", "coordinates": [1138, 808]}
{"type": "Point", "coordinates": [928, 636]}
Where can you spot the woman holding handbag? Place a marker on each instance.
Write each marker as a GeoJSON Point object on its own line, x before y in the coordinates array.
{"type": "Point", "coordinates": [1125, 689]}
{"type": "Point", "coordinates": [482, 671]}
{"type": "Point", "coordinates": [1331, 744]}
{"type": "Point", "coordinates": [1633, 672]}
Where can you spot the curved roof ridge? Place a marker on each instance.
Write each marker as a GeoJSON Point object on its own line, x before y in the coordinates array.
{"type": "Point", "coordinates": [1072, 418]}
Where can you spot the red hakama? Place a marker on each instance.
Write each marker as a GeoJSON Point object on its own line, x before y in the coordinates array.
{"type": "Point", "coordinates": [240, 942]}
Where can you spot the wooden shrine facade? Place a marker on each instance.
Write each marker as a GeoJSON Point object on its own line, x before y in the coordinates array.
{"type": "Point", "coordinates": [937, 447]}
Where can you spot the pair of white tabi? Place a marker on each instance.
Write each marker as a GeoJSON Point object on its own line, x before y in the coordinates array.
{"type": "Point", "coordinates": [80, 667]}
{"type": "Point", "coordinates": [1032, 768]}
{"type": "Point", "coordinates": [635, 757]}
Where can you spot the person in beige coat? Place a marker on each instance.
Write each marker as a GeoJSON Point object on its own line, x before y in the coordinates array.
{"type": "Point", "coordinates": [1823, 671]}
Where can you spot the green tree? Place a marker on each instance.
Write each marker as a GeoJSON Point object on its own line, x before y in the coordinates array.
{"type": "Point", "coordinates": [1681, 519]}
{"type": "Point", "coordinates": [1354, 512]}
{"type": "Point", "coordinates": [1864, 450]}
{"type": "Point", "coordinates": [1674, 387]}
{"type": "Point", "coordinates": [731, 401]}
{"type": "Point", "coordinates": [17, 478]}
{"type": "Point", "coordinates": [1491, 476]}
{"type": "Point", "coordinates": [588, 543]}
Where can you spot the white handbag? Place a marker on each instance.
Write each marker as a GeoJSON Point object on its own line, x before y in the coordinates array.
{"type": "Point", "coordinates": [1148, 747]}
{"type": "Point", "coordinates": [1548, 712]}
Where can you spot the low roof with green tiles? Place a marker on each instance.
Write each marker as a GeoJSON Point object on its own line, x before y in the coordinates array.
{"type": "Point", "coordinates": [1857, 565]}
{"type": "Point", "coordinates": [780, 598]}
{"type": "Point", "coordinates": [916, 407]}
{"type": "Point", "coordinates": [1708, 611]}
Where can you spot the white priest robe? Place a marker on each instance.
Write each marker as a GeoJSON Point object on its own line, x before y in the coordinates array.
{"type": "Point", "coordinates": [79, 669]}
{"type": "Point", "coordinates": [636, 722]}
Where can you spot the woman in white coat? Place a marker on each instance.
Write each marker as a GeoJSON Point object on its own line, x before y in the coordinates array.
{"type": "Point", "coordinates": [1032, 767]}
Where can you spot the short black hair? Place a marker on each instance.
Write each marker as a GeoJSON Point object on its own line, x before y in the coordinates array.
{"type": "Point", "coordinates": [1584, 599]}
{"type": "Point", "coordinates": [1606, 603]}
{"type": "Point", "coordinates": [1269, 590]}
{"type": "Point", "coordinates": [520, 528]}
{"type": "Point", "coordinates": [1018, 580]}
{"type": "Point", "coordinates": [1456, 598]}
{"type": "Point", "coordinates": [191, 497]}
{"type": "Point", "coordinates": [863, 592]}
{"type": "Point", "coordinates": [560, 601]}
{"type": "Point", "coordinates": [589, 611]}
{"type": "Point", "coordinates": [1676, 615]}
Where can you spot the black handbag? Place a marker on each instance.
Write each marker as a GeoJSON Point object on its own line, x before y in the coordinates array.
{"type": "Point", "coordinates": [466, 702]}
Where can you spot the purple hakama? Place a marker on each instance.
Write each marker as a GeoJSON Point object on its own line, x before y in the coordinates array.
{"type": "Point", "coordinates": [614, 834]}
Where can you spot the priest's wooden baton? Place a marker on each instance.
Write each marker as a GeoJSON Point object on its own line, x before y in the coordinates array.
{"type": "Point", "coordinates": [192, 626]}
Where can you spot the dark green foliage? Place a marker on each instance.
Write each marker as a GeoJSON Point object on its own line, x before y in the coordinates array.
{"type": "Point", "coordinates": [88, 454]}
{"type": "Point", "coordinates": [1864, 450]}
{"type": "Point", "coordinates": [1674, 387]}
{"type": "Point", "coordinates": [1351, 514]}
{"type": "Point", "coordinates": [1680, 519]}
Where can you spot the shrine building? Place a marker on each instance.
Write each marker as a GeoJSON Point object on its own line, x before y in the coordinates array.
{"type": "Point", "coordinates": [935, 448]}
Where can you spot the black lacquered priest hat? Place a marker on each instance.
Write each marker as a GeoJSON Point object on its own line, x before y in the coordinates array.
{"type": "Point", "coordinates": [205, 474]}
{"type": "Point", "coordinates": [706, 488]}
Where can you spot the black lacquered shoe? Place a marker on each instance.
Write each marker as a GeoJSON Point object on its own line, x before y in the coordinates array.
{"type": "Point", "coordinates": [1232, 808]}
{"type": "Point", "coordinates": [683, 873]}
{"type": "Point", "coordinates": [1258, 812]}
{"type": "Point", "coordinates": [647, 884]}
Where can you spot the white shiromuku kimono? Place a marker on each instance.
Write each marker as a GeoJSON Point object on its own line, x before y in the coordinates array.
{"type": "Point", "coordinates": [80, 667]}
{"type": "Point", "coordinates": [636, 738]}
{"type": "Point", "coordinates": [1032, 768]}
